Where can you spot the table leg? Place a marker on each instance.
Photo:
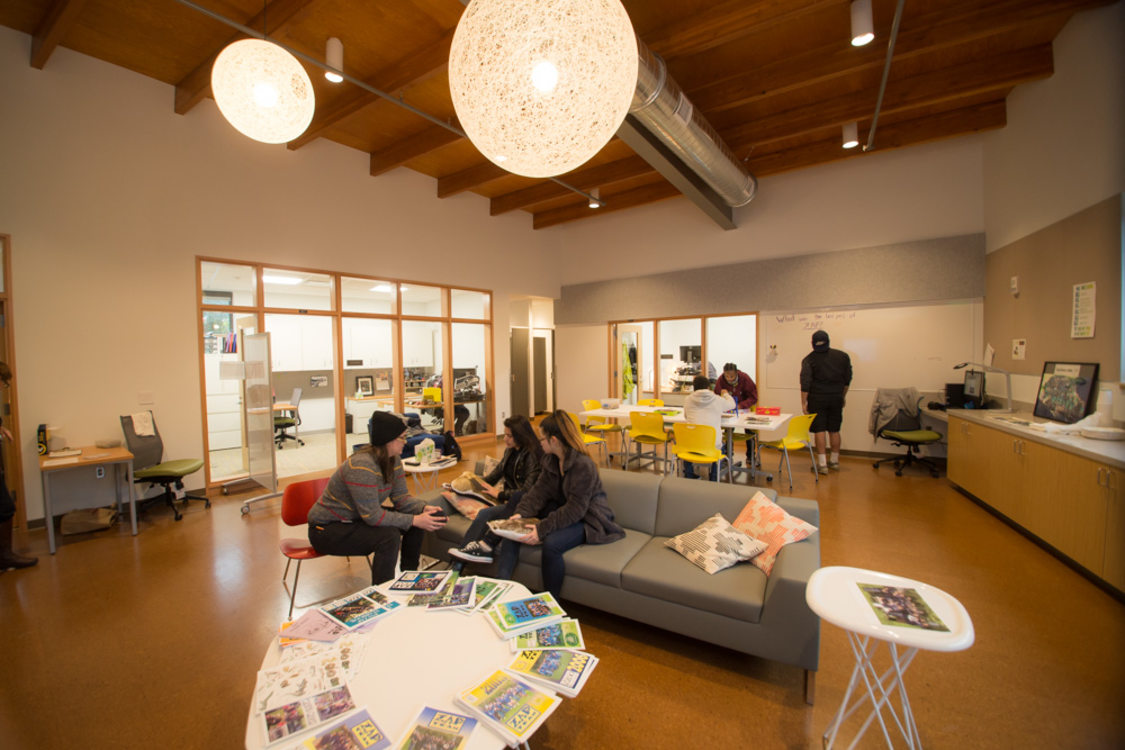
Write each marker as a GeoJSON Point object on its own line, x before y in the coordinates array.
{"type": "Point", "coordinates": [884, 685]}
{"type": "Point", "coordinates": [47, 515]}
{"type": "Point", "coordinates": [131, 489]}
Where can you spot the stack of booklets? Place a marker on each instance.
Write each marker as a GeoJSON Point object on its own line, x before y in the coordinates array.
{"type": "Point", "coordinates": [559, 669]}
{"type": "Point", "coordinates": [523, 615]}
{"type": "Point", "coordinates": [360, 608]}
{"type": "Point", "coordinates": [436, 729]}
{"type": "Point", "coordinates": [457, 594]}
{"type": "Point", "coordinates": [565, 633]}
{"type": "Point", "coordinates": [509, 705]}
{"type": "Point", "coordinates": [285, 720]}
{"type": "Point", "coordinates": [420, 582]}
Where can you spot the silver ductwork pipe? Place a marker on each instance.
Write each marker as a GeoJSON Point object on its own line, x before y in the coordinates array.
{"type": "Point", "coordinates": [660, 106]}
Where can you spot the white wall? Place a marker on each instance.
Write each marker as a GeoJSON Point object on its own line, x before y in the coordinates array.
{"type": "Point", "coordinates": [108, 196]}
{"type": "Point", "coordinates": [1064, 147]}
{"type": "Point", "coordinates": [582, 364]}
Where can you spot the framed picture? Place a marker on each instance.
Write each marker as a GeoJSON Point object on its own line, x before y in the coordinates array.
{"type": "Point", "coordinates": [1065, 389]}
{"type": "Point", "coordinates": [365, 385]}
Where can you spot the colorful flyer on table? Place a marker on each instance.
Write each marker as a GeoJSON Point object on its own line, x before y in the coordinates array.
{"type": "Point", "coordinates": [298, 716]}
{"type": "Point", "coordinates": [458, 594]}
{"type": "Point", "coordinates": [558, 669]}
{"type": "Point", "coordinates": [521, 615]}
{"type": "Point", "coordinates": [487, 592]}
{"type": "Point", "coordinates": [356, 732]}
{"type": "Point", "coordinates": [360, 608]}
{"type": "Point", "coordinates": [562, 634]}
{"type": "Point", "coordinates": [435, 729]}
{"type": "Point", "coordinates": [509, 705]}
{"type": "Point", "coordinates": [420, 582]}
{"type": "Point", "coordinates": [901, 607]}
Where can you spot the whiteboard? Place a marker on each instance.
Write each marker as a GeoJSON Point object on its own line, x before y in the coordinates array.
{"type": "Point", "coordinates": [890, 347]}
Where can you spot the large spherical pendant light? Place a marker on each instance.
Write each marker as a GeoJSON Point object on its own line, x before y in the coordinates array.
{"type": "Point", "coordinates": [539, 87]}
{"type": "Point", "coordinates": [262, 91]}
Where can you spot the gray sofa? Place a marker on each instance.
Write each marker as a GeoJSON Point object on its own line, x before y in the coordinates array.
{"type": "Point", "coordinates": [641, 579]}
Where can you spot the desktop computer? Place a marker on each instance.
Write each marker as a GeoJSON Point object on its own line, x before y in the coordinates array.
{"type": "Point", "coordinates": [954, 395]}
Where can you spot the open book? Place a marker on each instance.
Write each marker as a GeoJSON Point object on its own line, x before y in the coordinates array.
{"type": "Point", "coordinates": [512, 528]}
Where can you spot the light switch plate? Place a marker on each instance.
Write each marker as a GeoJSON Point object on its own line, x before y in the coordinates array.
{"type": "Point", "coordinates": [1019, 348]}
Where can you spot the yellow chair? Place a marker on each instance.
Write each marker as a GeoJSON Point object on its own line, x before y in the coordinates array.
{"type": "Point", "coordinates": [589, 439]}
{"type": "Point", "coordinates": [795, 439]}
{"type": "Point", "coordinates": [650, 402]}
{"type": "Point", "coordinates": [695, 443]}
{"type": "Point", "coordinates": [646, 428]}
{"type": "Point", "coordinates": [432, 394]}
{"type": "Point", "coordinates": [598, 425]}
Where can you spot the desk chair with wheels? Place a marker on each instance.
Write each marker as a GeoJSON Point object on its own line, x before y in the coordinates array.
{"type": "Point", "coordinates": [646, 428]}
{"type": "Point", "coordinates": [695, 443]}
{"type": "Point", "coordinates": [796, 438]}
{"type": "Point", "coordinates": [287, 419]}
{"type": "Point", "coordinates": [896, 415]}
{"type": "Point", "coordinates": [147, 451]}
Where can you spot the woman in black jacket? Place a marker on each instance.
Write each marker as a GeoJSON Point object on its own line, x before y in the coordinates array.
{"type": "Point", "coordinates": [568, 500]}
{"type": "Point", "coordinates": [519, 468]}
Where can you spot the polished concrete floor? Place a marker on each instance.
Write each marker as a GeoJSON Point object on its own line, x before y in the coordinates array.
{"type": "Point", "coordinates": [154, 640]}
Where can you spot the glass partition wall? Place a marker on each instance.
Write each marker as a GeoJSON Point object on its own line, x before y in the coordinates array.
{"type": "Point", "coordinates": [660, 358]}
{"type": "Point", "coordinates": [342, 346]}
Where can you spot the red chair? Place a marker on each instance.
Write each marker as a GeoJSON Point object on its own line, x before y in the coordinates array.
{"type": "Point", "coordinates": [296, 501]}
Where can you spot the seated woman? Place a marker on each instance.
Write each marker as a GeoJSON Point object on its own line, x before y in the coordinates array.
{"type": "Point", "coordinates": [519, 468]}
{"type": "Point", "coordinates": [567, 498]}
{"type": "Point", "coordinates": [349, 518]}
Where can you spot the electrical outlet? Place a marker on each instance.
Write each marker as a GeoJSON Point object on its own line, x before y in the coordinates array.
{"type": "Point", "coordinates": [99, 472]}
{"type": "Point", "coordinates": [1019, 348]}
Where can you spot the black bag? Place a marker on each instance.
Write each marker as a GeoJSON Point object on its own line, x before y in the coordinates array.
{"type": "Point", "coordinates": [449, 445]}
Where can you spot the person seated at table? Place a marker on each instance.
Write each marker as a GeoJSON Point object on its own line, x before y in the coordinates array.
{"type": "Point", "coordinates": [519, 468]}
{"type": "Point", "coordinates": [350, 519]}
{"type": "Point", "coordinates": [706, 407]}
{"type": "Point", "coordinates": [567, 498]}
{"type": "Point", "coordinates": [745, 394]}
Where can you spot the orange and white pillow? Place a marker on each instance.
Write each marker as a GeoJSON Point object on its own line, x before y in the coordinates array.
{"type": "Point", "coordinates": [768, 522]}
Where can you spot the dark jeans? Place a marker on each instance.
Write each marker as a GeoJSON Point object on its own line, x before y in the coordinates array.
{"type": "Point", "coordinates": [478, 529]}
{"type": "Point", "coordinates": [7, 505]}
{"type": "Point", "coordinates": [712, 474]}
{"type": "Point", "coordinates": [360, 540]}
{"type": "Point", "coordinates": [553, 547]}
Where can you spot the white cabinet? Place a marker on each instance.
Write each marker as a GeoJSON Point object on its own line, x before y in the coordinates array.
{"type": "Point", "coordinates": [224, 404]}
{"type": "Point", "coordinates": [299, 342]}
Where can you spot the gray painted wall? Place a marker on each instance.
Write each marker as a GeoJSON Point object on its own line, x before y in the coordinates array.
{"type": "Point", "coordinates": [941, 269]}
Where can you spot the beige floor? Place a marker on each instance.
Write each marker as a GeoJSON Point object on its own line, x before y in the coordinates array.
{"type": "Point", "coordinates": [317, 454]}
{"type": "Point", "coordinates": [153, 641]}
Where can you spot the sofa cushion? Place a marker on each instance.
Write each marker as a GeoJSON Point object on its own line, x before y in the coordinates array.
{"type": "Point", "coordinates": [661, 573]}
{"type": "Point", "coordinates": [633, 495]}
{"type": "Point", "coordinates": [602, 563]}
{"type": "Point", "coordinates": [715, 545]}
{"type": "Point", "coordinates": [769, 522]}
{"type": "Point", "coordinates": [686, 503]}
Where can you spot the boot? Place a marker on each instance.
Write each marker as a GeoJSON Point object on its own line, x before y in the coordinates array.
{"type": "Point", "coordinates": [8, 558]}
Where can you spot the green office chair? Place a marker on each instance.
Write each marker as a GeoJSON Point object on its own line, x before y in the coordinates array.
{"type": "Point", "coordinates": [905, 431]}
{"type": "Point", "coordinates": [288, 419]}
{"type": "Point", "coordinates": [148, 469]}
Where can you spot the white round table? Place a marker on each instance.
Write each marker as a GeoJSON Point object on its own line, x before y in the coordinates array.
{"type": "Point", "coordinates": [834, 594]}
{"type": "Point", "coordinates": [415, 658]}
{"type": "Point", "coordinates": [425, 476]}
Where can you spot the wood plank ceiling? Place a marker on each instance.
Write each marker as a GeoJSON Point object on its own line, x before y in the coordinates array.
{"type": "Point", "coordinates": [776, 78]}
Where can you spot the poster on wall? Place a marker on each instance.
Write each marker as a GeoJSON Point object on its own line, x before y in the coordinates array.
{"type": "Point", "coordinates": [1082, 315]}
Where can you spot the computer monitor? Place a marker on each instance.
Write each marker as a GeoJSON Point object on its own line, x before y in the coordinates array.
{"type": "Point", "coordinates": [974, 388]}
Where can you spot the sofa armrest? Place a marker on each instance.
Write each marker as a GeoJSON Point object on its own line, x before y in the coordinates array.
{"type": "Point", "coordinates": [785, 605]}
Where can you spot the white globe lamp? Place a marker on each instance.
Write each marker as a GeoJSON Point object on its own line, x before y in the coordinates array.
{"type": "Point", "coordinates": [540, 87]}
{"type": "Point", "coordinates": [262, 91]}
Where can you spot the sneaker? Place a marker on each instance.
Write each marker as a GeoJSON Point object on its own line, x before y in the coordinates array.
{"type": "Point", "coordinates": [821, 469]}
{"type": "Point", "coordinates": [474, 552]}
{"type": "Point", "coordinates": [834, 465]}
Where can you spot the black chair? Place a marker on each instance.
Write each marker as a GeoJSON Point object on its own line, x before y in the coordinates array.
{"type": "Point", "coordinates": [905, 431]}
{"type": "Point", "coordinates": [148, 469]}
{"type": "Point", "coordinates": [288, 419]}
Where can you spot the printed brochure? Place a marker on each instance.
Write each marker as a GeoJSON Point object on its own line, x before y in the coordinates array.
{"type": "Point", "coordinates": [420, 582]}
{"type": "Point", "coordinates": [523, 615]}
{"type": "Point", "coordinates": [360, 608]}
{"type": "Point", "coordinates": [509, 705]}
{"type": "Point", "coordinates": [438, 730]}
{"type": "Point", "coordinates": [558, 669]}
{"type": "Point", "coordinates": [563, 634]}
{"type": "Point", "coordinates": [298, 716]}
{"type": "Point", "coordinates": [901, 607]}
{"type": "Point", "coordinates": [356, 732]}
{"type": "Point", "coordinates": [457, 595]}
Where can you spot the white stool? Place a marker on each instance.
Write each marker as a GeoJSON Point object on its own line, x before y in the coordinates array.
{"type": "Point", "coordinates": [834, 594]}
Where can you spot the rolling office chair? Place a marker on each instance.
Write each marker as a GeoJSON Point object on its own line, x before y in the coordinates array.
{"type": "Point", "coordinates": [896, 416]}
{"type": "Point", "coordinates": [147, 451]}
{"type": "Point", "coordinates": [287, 419]}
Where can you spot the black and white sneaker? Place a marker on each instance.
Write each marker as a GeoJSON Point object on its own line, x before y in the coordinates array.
{"type": "Point", "coordinates": [474, 552]}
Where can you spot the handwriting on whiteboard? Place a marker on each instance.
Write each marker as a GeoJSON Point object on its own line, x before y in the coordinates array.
{"type": "Point", "coordinates": [813, 321]}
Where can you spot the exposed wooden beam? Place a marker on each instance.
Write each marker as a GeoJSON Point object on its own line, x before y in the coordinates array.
{"type": "Point", "coordinates": [651, 193]}
{"type": "Point", "coordinates": [393, 79]}
{"type": "Point", "coordinates": [726, 22]}
{"type": "Point", "coordinates": [59, 19]}
{"type": "Point", "coordinates": [583, 179]}
{"type": "Point", "coordinates": [400, 152]}
{"type": "Point", "coordinates": [196, 85]}
{"type": "Point", "coordinates": [467, 179]}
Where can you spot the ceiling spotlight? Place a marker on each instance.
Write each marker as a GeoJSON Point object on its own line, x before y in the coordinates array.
{"type": "Point", "coordinates": [595, 198]}
{"type": "Point", "coordinates": [851, 134]}
{"type": "Point", "coordinates": [540, 87]}
{"type": "Point", "coordinates": [863, 27]}
{"type": "Point", "coordinates": [262, 91]}
{"type": "Point", "coordinates": [334, 58]}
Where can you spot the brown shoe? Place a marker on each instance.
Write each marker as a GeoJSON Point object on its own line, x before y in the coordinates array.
{"type": "Point", "coordinates": [12, 561]}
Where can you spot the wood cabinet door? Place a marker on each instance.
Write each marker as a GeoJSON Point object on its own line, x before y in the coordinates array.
{"type": "Point", "coordinates": [1113, 568]}
{"type": "Point", "coordinates": [1067, 506]}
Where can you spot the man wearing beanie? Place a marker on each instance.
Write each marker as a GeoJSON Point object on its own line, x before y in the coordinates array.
{"type": "Point", "coordinates": [350, 518]}
{"type": "Point", "coordinates": [826, 374]}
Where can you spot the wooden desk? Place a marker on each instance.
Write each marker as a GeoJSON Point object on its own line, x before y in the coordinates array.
{"type": "Point", "coordinates": [119, 458]}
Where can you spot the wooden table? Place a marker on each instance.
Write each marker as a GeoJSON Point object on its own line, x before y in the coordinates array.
{"type": "Point", "coordinates": [121, 460]}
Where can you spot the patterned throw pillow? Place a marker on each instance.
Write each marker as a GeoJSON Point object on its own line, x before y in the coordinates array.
{"type": "Point", "coordinates": [490, 463]}
{"type": "Point", "coordinates": [766, 520]}
{"type": "Point", "coordinates": [714, 545]}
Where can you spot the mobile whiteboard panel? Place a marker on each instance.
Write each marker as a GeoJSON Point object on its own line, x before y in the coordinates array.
{"type": "Point", "coordinates": [890, 347]}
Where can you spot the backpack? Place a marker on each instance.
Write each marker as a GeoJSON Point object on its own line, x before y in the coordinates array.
{"type": "Point", "coordinates": [449, 445]}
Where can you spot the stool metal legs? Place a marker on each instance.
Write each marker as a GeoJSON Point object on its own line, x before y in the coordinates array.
{"type": "Point", "coordinates": [880, 692]}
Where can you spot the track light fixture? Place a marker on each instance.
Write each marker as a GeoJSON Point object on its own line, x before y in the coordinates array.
{"type": "Point", "coordinates": [851, 134]}
{"type": "Point", "coordinates": [596, 198]}
{"type": "Point", "coordinates": [863, 26]}
{"type": "Point", "coordinates": [334, 58]}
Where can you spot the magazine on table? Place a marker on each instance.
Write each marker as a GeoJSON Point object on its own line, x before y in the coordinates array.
{"type": "Point", "coordinates": [360, 608]}
{"type": "Point", "coordinates": [437, 729]}
{"type": "Point", "coordinates": [420, 582]}
{"type": "Point", "coordinates": [349, 650]}
{"type": "Point", "coordinates": [522, 615]}
{"type": "Point", "coordinates": [298, 716]}
{"type": "Point", "coordinates": [513, 528]}
{"type": "Point", "coordinates": [358, 731]}
{"type": "Point", "coordinates": [565, 633]}
{"type": "Point", "coordinates": [509, 705]}
{"type": "Point", "coordinates": [487, 592]}
{"type": "Point", "coordinates": [901, 607]}
{"type": "Point", "coordinates": [557, 669]}
{"type": "Point", "coordinates": [314, 625]}
{"type": "Point", "coordinates": [285, 683]}
{"type": "Point", "coordinates": [458, 594]}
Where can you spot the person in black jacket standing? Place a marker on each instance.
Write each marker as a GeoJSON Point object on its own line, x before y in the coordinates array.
{"type": "Point", "coordinates": [8, 559]}
{"type": "Point", "coordinates": [826, 374]}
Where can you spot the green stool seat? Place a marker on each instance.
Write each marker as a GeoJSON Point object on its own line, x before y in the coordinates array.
{"type": "Point", "coordinates": [913, 436]}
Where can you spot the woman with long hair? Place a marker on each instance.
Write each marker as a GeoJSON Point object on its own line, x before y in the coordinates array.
{"type": "Point", "coordinates": [519, 468]}
{"type": "Point", "coordinates": [568, 500]}
{"type": "Point", "coordinates": [350, 519]}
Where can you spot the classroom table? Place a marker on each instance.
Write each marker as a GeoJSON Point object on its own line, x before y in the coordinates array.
{"type": "Point", "coordinates": [731, 422]}
{"type": "Point", "coordinates": [120, 458]}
